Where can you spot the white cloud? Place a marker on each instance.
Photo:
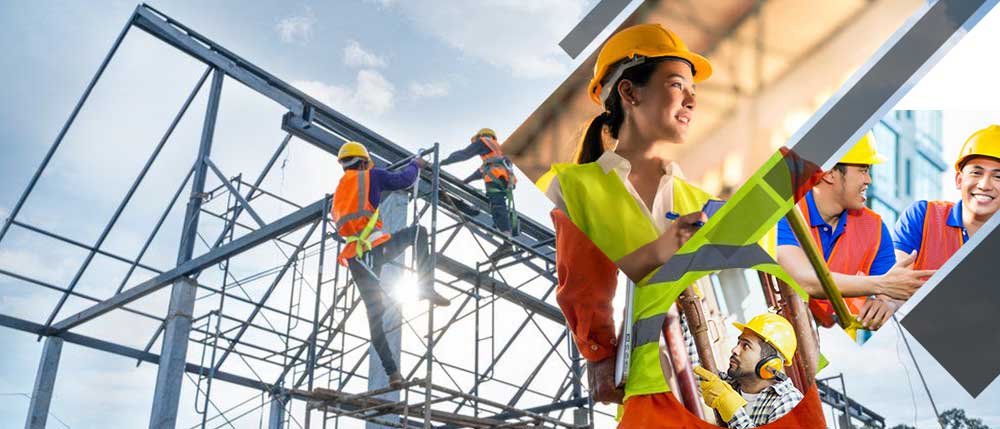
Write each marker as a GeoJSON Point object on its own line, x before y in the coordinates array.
{"type": "Point", "coordinates": [371, 94]}
{"type": "Point", "coordinates": [382, 4]}
{"type": "Point", "coordinates": [297, 29]}
{"type": "Point", "coordinates": [356, 56]}
{"type": "Point", "coordinates": [429, 89]}
{"type": "Point", "coordinates": [521, 36]}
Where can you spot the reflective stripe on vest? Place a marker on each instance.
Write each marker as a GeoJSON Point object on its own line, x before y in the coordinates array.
{"type": "Point", "coordinates": [853, 253]}
{"type": "Point", "coordinates": [356, 219]}
{"type": "Point", "coordinates": [494, 163]}
{"type": "Point", "coordinates": [593, 198]}
{"type": "Point", "coordinates": [939, 240]}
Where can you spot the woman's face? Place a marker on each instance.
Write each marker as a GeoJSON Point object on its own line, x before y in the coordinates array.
{"type": "Point", "coordinates": [664, 107]}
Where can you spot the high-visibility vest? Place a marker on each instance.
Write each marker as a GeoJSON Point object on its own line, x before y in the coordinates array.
{"type": "Point", "coordinates": [356, 219]}
{"type": "Point", "coordinates": [600, 205]}
{"type": "Point", "coordinates": [939, 240]}
{"type": "Point", "coordinates": [495, 164]}
{"type": "Point", "coordinates": [853, 253]}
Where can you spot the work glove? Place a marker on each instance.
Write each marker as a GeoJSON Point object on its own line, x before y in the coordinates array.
{"type": "Point", "coordinates": [719, 394]}
{"type": "Point", "coordinates": [601, 376]}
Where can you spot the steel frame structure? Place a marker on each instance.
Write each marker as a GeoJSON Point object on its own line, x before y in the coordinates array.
{"type": "Point", "coordinates": [317, 368]}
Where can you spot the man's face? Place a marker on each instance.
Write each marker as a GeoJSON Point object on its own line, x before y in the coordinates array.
{"type": "Point", "coordinates": [852, 185]}
{"type": "Point", "coordinates": [979, 182]}
{"type": "Point", "coordinates": [746, 354]}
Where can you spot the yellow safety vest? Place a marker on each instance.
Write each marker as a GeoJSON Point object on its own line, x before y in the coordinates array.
{"type": "Point", "coordinates": [594, 198]}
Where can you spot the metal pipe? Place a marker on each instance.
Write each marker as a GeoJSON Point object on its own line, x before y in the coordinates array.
{"type": "Point", "coordinates": [807, 352]}
{"type": "Point", "coordinates": [686, 384]}
{"type": "Point", "coordinates": [845, 319]}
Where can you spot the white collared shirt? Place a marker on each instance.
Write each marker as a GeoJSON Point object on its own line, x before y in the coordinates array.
{"type": "Point", "coordinates": [663, 201]}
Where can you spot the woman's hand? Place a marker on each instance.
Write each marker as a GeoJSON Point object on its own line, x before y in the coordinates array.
{"type": "Point", "coordinates": [642, 261]}
{"type": "Point", "coordinates": [679, 233]}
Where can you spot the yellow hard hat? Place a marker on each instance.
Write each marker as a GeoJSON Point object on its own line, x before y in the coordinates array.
{"type": "Point", "coordinates": [864, 152]}
{"type": "Point", "coordinates": [776, 330]}
{"type": "Point", "coordinates": [486, 132]}
{"type": "Point", "coordinates": [351, 150]}
{"type": "Point", "coordinates": [637, 43]}
{"type": "Point", "coordinates": [985, 142]}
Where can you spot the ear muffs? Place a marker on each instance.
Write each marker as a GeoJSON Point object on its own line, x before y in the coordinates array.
{"type": "Point", "coordinates": [770, 367]}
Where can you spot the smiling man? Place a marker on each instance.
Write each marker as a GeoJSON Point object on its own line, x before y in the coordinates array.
{"type": "Point", "coordinates": [755, 391]}
{"type": "Point", "coordinates": [855, 243]}
{"type": "Point", "coordinates": [936, 229]}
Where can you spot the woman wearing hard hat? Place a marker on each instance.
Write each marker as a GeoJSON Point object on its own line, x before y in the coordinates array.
{"type": "Point", "coordinates": [612, 208]}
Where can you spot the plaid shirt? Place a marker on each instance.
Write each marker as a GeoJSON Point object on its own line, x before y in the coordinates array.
{"type": "Point", "coordinates": [773, 402]}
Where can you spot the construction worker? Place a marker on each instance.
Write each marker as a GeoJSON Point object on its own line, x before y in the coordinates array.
{"type": "Point", "coordinates": [367, 247]}
{"type": "Point", "coordinates": [855, 243]}
{"type": "Point", "coordinates": [755, 390]}
{"type": "Point", "coordinates": [498, 175]}
{"type": "Point", "coordinates": [936, 229]}
{"type": "Point", "coordinates": [611, 207]}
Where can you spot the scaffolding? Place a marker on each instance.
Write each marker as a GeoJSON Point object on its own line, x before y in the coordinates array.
{"type": "Point", "coordinates": [302, 357]}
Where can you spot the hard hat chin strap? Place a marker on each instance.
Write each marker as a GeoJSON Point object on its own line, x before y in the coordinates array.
{"type": "Point", "coordinates": [351, 162]}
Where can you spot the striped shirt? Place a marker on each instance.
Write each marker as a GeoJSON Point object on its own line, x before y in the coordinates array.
{"type": "Point", "coordinates": [772, 403]}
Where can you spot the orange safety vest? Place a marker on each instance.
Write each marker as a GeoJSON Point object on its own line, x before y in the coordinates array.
{"type": "Point", "coordinates": [853, 253]}
{"type": "Point", "coordinates": [939, 240]}
{"type": "Point", "coordinates": [494, 162]}
{"type": "Point", "coordinates": [354, 214]}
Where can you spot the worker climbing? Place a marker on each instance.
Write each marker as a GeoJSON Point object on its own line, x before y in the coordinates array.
{"type": "Point", "coordinates": [856, 245]}
{"type": "Point", "coordinates": [936, 229]}
{"type": "Point", "coordinates": [498, 174]}
{"type": "Point", "coordinates": [755, 390]}
{"type": "Point", "coordinates": [367, 247]}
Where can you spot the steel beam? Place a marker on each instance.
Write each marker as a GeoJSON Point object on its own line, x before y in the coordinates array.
{"type": "Point", "coordinates": [284, 225]}
{"type": "Point", "coordinates": [45, 382]}
{"type": "Point", "coordinates": [276, 419]}
{"type": "Point", "coordinates": [170, 372]}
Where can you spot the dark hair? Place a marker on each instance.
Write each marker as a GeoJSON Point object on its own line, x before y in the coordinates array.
{"type": "Point", "coordinates": [766, 349]}
{"type": "Point", "coordinates": [841, 167]}
{"type": "Point", "coordinates": [592, 143]}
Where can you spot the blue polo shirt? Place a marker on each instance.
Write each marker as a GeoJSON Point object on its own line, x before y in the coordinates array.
{"type": "Point", "coordinates": [884, 259]}
{"type": "Point", "coordinates": [910, 226]}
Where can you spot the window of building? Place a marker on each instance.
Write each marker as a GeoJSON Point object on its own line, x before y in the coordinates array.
{"type": "Point", "coordinates": [884, 175]}
{"type": "Point", "coordinates": [928, 126]}
{"type": "Point", "coordinates": [926, 179]}
{"type": "Point", "coordinates": [888, 213]}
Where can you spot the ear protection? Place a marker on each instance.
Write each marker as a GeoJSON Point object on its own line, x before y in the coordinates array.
{"type": "Point", "coordinates": [770, 367]}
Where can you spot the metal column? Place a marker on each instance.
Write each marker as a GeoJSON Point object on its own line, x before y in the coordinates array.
{"type": "Point", "coordinates": [276, 419]}
{"type": "Point", "coordinates": [393, 214]}
{"type": "Point", "coordinates": [45, 381]}
{"type": "Point", "coordinates": [173, 354]}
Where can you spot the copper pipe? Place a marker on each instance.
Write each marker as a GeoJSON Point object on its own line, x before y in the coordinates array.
{"type": "Point", "coordinates": [686, 384]}
{"type": "Point", "coordinates": [807, 353]}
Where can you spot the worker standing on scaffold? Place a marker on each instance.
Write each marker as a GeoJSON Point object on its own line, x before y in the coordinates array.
{"type": "Point", "coordinates": [367, 247]}
{"type": "Point", "coordinates": [498, 174]}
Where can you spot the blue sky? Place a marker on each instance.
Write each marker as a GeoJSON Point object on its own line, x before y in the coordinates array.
{"type": "Point", "coordinates": [415, 72]}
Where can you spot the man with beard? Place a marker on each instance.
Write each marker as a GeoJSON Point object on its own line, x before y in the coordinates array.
{"type": "Point", "coordinates": [936, 229]}
{"type": "Point", "coordinates": [755, 390]}
{"type": "Point", "coordinates": [856, 246]}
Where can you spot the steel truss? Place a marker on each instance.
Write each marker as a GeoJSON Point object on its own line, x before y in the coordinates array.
{"type": "Point", "coordinates": [304, 356]}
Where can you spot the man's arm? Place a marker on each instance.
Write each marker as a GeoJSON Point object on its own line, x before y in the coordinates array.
{"type": "Point", "coordinates": [400, 179]}
{"type": "Point", "coordinates": [468, 152]}
{"type": "Point", "coordinates": [795, 262]}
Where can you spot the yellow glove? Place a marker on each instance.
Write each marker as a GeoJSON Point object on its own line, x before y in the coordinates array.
{"type": "Point", "coordinates": [718, 394]}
